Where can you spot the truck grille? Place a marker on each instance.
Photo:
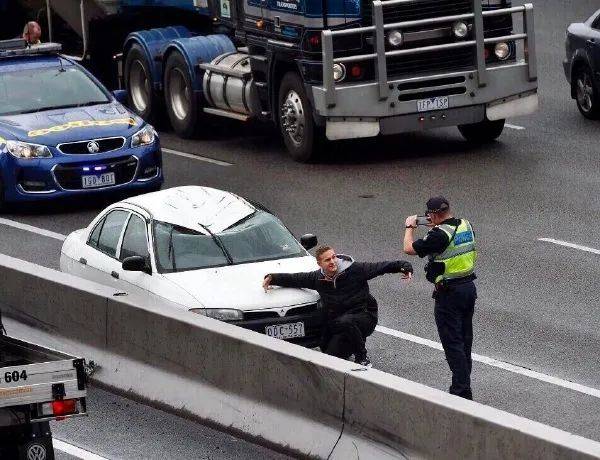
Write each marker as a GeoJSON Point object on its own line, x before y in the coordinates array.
{"type": "Point", "coordinates": [81, 147]}
{"type": "Point", "coordinates": [436, 61]}
{"type": "Point", "coordinates": [68, 176]}
{"type": "Point", "coordinates": [418, 9]}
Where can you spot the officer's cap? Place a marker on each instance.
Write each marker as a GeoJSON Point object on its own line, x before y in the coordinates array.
{"type": "Point", "coordinates": [437, 204]}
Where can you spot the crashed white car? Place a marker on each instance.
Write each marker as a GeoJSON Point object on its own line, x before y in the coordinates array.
{"type": "Point", "coordinates": [203, 250]}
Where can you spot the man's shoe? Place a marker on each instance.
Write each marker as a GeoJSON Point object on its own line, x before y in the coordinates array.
{"type": "Point", "coordinates": [364, 361]}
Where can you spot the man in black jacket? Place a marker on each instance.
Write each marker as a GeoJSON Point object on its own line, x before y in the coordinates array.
{"type": "Point", "coordinates": [350, 310]}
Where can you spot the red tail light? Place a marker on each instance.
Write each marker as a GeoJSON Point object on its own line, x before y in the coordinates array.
{"type": "Point", "coordinates": [64, 407]}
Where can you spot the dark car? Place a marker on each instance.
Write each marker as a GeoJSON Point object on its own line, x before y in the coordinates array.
{"type": "Point", "coordinates": [582, 64]}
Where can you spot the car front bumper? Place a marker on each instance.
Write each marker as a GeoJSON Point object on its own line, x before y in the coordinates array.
{"type": "Point", "coordinates": [136, 170]}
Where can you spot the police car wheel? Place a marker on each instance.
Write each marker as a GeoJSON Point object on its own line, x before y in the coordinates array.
{"type": "Point", "coordinates": [482, 132]}
{"type": "Point", "coordinates": [180, 98]}
{"type": "Point", "coordinates": [586, 93]}
{"type": "Point", "coordinates": [302, 138]}
{"type": "Point", "coordinates": [139, 83]}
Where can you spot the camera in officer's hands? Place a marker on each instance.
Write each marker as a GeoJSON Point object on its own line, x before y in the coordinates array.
{"type": "Point", "coordinates": [423, 220]}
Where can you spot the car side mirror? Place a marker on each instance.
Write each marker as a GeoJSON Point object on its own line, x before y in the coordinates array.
{"type": "Point", "coordinates": [308, 241]}
{"type": "Point", "coordinates": [120, 95]}
{"type": "Point", "coordinates": [136, 264]}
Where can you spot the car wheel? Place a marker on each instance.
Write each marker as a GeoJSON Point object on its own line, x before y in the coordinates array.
{"type": "Point", "coordinates": [586, 93]}
{"type": "Point", "coordinates": [302, 138]}
{"type": "Point", "coordinates": [138, 81]}
{"type": "Point", "coordinates": [483, 132]}
{"type": "Point", "coordinates": [180, 98]}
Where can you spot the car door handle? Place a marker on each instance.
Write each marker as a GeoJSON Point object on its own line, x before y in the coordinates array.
{"type": "Point", "coordinates": [114, 274]}
{"type": "Point", "coordinates": [83, 261]}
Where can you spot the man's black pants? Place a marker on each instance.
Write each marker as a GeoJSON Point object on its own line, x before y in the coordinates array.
{"type": "Point", "coordinates": [454, 307]}
{"type": "Point", "coordinates": [346, 334]}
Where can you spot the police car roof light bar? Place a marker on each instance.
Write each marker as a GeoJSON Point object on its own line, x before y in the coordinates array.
{"type": "Point", "coordinates": [19, 47]}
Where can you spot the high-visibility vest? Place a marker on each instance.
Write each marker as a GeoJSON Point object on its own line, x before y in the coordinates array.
{"type": "Point", "coordinates": [460, 255]}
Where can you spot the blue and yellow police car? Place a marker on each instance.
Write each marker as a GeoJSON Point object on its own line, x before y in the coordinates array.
{"type": "Point", "coordinates": [62, 133]}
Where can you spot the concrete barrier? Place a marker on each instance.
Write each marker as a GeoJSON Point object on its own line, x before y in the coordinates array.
{"type": "Point", "coordinates": [277, 393]}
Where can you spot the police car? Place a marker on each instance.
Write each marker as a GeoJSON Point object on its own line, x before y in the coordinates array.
{"type": "Point", "coordinates": [62, 133]}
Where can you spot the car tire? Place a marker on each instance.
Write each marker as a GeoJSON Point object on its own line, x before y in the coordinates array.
{"type": "Point", "coordinates": [303, 139]}
{"type": "Point", "coordinates": [483, 132]}
{"type": "Point", "coordinates": [138, 81]}
{"type": "Point", "coordinates": [586, 93]}
{"type": "Point", "coordinates": [37, 449]}
{"type": "Point", "coordinates": [180, 99]}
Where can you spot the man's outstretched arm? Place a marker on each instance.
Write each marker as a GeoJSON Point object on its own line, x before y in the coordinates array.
{"type": "Point", "coordinates": [373, 269]}
{"type": "Point", "coordinates": [293, 280]}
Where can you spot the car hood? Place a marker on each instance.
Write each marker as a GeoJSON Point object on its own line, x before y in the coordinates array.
{"type": "Point", "coordinates": [240, 286]}
{"type": "Point", "coordinates": [69, 125]}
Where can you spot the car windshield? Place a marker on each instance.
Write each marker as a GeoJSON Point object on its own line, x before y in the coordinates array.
{"type": "Point", "coordinates": [257, 238]}
{"type": "Point", "coordinates": [34, 90]}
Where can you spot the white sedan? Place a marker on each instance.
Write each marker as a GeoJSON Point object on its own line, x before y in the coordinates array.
{"type": "Point", "coordinates": [203, 250]}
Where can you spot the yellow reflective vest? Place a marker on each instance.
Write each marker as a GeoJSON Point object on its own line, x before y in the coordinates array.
{"type": "Point", "coordinates": [460, 255]}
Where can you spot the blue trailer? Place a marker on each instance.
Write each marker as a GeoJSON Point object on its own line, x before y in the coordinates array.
{"type": "Point", "coordinates": [321, 70]}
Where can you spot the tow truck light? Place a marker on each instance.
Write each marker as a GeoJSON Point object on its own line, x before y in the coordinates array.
{"type": "Point", "coordinates": [356, 71]}
{"type": "Point", "coordinates": [315, 40]}
{"type": "Point", "coordinates": [64, 407]}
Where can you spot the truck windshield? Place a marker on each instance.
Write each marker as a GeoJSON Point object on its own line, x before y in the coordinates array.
{"type": "Point", "coordinates": [257, 238]}
{"type": "Point", "coordinates": [33, 90]}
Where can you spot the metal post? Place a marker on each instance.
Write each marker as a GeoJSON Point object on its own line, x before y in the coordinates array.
{"type": "Point", "coordinates": [49, 17]}
{"type": "Point", "coordinates": [83, 28]}
{"type": "Point", "coordinates": [529, 42]}
{"type": "Point", "coordinates": [479, 46]}
{"type": "Point", "coordinates": [381, 67]}
{"type": "Point", "coordinates": [328, 83]}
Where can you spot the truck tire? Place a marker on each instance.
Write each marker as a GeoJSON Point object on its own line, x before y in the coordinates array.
{"type": "Point", "coordinates": [180, 98]}
{"type": "Point", "coordinates": [138, 81]}
{"type": "Point", "coordinates": [37, 449]}
{"type": "Point", "coordinates": [483, 132]}
{"type": "Point", "coordinates": [586, 93]}
{"type": "Point", "coordinates": [302, 138]}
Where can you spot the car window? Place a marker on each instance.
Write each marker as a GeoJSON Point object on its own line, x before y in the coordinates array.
{"type": "Point", "coordinates": [93, 240]}
{"type": "Point", "coordinates": [596, 23]}
{"type": "Point", "coordinates": [135, 242]}
{"type": "Point", "coordinates": [111, 231]}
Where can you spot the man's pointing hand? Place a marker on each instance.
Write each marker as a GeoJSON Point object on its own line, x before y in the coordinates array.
{"type": "Point", "coordinates": [267, 283]}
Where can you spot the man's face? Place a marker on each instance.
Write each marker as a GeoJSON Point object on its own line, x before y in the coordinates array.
{"type": "Point", "coordinates": [33, 33]}
{"type": "Point", "coordinates": [328, 262]}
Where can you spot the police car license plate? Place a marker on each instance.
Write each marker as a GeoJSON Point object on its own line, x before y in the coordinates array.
{"type": "Point", "coordinates": [99, 180]}
{"type": "Point", "coordinates": [433, 103]}
{"type": "Point", "coordinates": [286, 331]}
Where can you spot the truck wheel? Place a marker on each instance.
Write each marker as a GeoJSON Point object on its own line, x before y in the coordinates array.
{"type": "Point", "coordinates": [482, 132]}
{"type": "Point", "coordinates": [586, 93]}
{"type": "Point", "coordinates": [182, 105]}
{"type": "Point", "coordinates": [38, 449]}
{"type": "Point", "coordinates": [300, 134]}
{"type": "Point", "coordinates": [138, 82]}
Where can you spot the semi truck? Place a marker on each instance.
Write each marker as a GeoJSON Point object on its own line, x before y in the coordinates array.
{"type": "Point", "coordinates": [320, 70]}
{"type": "Point", "coordinates": [37, 385]}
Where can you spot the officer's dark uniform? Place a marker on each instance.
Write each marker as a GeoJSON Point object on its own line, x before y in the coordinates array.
{"type": "Point", "coordinates": [454, 294]}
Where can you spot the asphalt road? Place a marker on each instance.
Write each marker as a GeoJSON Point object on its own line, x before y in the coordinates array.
{"type": "Point", "coordinates": [537, 307]}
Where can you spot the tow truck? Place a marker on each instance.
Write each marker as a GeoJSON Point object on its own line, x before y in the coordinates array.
{"type": "Point", "coordinates": [319, 70]}
{"type": "Point", "coordinates": [37, 385]}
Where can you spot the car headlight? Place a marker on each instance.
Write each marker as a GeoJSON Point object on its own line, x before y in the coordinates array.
{"type": "Point", "coordinates": [28, 151]}
{"type": "Point", "coordinates": [222, 314]}
{"type": "Point", "coordinates": [339, 72]}
{"type": "Point", "coordinates": [395, 38]}
{"type": "Point", "coordinates": [502, 50]}
{"type": "Point", "coordinates": [460, 29]}
{"type": "Point", "coordinates": [144, 136]}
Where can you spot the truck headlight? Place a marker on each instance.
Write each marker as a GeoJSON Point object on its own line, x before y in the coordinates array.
{"type": "Point", "coordinates": [460, 29]}
{"type": "Point", "coordinates": [339, 72]}
{"type": "Point", "coordinates": [144, 136]}
{"type": "Point", "coordinates": [395, 38]}
{"type": "Point", "coordinates": [222, 314]}
{"type": "Point", "coordinates": [502, 51]}
{"type": "Point", "coordinates": [28, 151]}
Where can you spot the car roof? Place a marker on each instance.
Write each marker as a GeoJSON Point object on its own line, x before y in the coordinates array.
{"type": "Point", "coordinates": [194, 207]}
{"type": "Point", "coordinates": [10, 64]}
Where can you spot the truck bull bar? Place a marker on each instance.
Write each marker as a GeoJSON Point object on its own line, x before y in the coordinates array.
{"type": "Point", "coordinates": [380, 55]}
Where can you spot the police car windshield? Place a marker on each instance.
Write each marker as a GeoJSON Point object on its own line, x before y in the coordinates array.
{"type": "Point", "coordinates": [34, 90]}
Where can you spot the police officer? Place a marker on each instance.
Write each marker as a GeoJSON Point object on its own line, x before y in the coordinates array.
{"type": "Point", "coordinates": [450, 247]}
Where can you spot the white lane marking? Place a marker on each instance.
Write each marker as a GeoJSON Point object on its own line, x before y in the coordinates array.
{"type": "Point", "coordinates": [75, 451]}
{"type": "Point", "coordinates": [32, 229]}
{"type": "Point", "coordinates": [196, 157]}
{"type": "Point", "coordinates": [496, 363]}
{"type": "Point", "coordinates": [508, 125]}
{"type": "Point", "coordinates": [570, 245]}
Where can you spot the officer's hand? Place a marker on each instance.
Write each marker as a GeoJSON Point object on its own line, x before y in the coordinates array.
{"type": "Point", "coordinates": [267, 283]}
{"type": "Point", "coordinates": [411, 221]}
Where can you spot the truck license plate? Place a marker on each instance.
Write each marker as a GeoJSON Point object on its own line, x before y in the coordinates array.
{"type": "Point", "coordinates": [99, 180]}
{"type": "Point", "coordinates": [285, 331]}
{"type": "Point", "coordinates": [433, 103]}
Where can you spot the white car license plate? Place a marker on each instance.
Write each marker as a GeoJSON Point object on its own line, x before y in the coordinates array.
{"type": "Point", "coordinates": [433, 103]}
{"type": "Point", "coordinates": [286, 331]}
{"type": "Point", "coordinates": [99, 180]}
